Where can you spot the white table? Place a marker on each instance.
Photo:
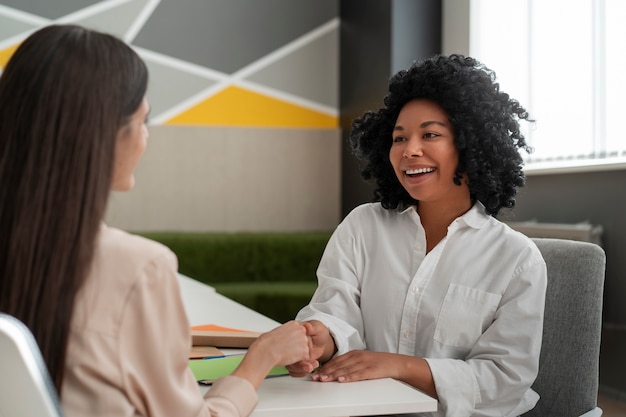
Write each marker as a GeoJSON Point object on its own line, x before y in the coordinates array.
{"type": "Point", "coordinates": [300, 397]}
{"type": "Point", "coordinates": [205, 306]}
{"type": "Point", "coordinates": [290, 397]}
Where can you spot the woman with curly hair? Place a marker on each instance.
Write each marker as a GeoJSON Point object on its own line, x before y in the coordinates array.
{"type": "Point", "coordinates": [424, 284]}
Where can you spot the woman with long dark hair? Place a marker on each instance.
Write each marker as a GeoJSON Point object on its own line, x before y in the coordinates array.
{"type": "Point", "coordinates": [103, 305]}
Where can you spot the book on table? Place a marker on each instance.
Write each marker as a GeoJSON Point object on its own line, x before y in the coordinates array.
{"type": "Point", "coordinates": [222, 337]}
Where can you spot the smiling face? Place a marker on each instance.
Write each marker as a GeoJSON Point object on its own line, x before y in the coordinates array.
{"type": "Point", "coordinates": [424, 156]}
{"type": "Point", "coordinates": [130, 145]}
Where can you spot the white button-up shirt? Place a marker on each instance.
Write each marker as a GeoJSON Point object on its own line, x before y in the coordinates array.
{"type": "Point", "coordinates": [472, 307]}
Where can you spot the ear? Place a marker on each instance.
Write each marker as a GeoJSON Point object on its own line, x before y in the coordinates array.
{"type": "Point", "coordinates": [457, 178]}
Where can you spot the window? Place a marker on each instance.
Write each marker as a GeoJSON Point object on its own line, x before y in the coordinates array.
{"type": "Point", "coordinates": [563, 60]}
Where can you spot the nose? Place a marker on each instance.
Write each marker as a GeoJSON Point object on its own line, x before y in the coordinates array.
{"type": "Point", "coordinates": [413, 149]}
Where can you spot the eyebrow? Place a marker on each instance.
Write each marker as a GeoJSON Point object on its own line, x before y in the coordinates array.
{"type": "Point", "coordinates": [423, 125]}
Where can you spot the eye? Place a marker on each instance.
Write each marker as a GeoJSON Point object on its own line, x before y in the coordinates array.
{"type": "Point", "coordinates": [431, 135]}
{"type": "Point", "coordinates": [396, 139]}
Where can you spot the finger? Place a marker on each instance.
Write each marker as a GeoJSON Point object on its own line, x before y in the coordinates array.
{"type": "Point", "coordinates": [296, 370]}
{"type": "Point", "coordinates": [308, 327]}
{"type": "Point", "coordinates": [301, 368]}
{"type": "Point", "coordinates": [347, 375]}
{"type": "Point", "coordinates": [315, 327]}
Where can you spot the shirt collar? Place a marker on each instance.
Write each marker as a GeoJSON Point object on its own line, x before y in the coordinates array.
{"type": "Point", "coordinates": [475, 217]}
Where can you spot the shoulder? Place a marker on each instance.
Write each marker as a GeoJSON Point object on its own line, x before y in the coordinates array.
{"type": "Point", "coordinates": [123, 260]}
{"type": "Point", "coordinates": [512, 244]}
{"type": "Point", "coordinates": [370, 212]}
{"type": "Point", "coordinates": [515, 237]}
{"type": "Point", "coordinates": [490, 229]}
{"type": "Point", "coordinates": [123, 264]}
{"type": "Point", "coordinates": [132, 251]}
{"type": "Point", "coordinates": [370, 224]}
{"type": "Point", "coordinates": [485, 236]}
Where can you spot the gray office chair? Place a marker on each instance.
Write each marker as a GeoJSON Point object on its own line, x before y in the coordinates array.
{"type": "Point", "coordinates": [26, 388]}
{"type": "Point", "coordinates": [569, 360]}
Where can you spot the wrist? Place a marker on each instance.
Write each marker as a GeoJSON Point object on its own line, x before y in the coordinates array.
{"type": "Point", "coordinates": [255, 366]}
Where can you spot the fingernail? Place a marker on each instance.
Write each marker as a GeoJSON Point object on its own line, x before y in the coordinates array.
{"type": "Point", "coordinates": [341, 378]}
{"type": "Point", "coordinates": [315, 377]}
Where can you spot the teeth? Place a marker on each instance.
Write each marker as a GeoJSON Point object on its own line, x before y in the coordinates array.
{"type": "Point", "coordinates": [418, 171]}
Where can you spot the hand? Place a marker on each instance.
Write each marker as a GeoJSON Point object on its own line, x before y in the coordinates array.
{"type": "Point", "coordinates": [358, 365]}
{"type": "Point", "coordinates": [285, 344]}
{"type": "Point", "coordinates": [288, 343]}
{"type": "Point", "coordinates": [321, 346]}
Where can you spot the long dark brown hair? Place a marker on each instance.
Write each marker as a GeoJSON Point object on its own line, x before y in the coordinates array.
{"type": "Point", "coordinates": [64, 94]}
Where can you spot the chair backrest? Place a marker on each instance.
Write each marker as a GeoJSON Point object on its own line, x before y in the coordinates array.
{"type": "Point", "coordinates": [26, 388]}
{"type": "Point", "coordinates": [569, 361]}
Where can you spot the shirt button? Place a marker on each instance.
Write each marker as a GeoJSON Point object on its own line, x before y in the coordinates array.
{"type": "Point", "coordinates": [407, 334]}
{"type": "Point", "coordinates": [415, 290]}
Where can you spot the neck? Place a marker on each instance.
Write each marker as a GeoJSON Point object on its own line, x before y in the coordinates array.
{"type": "Point", "coordinates": [436, 219]}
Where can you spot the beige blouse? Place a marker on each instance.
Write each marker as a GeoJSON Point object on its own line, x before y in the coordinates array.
{"type": "Point", "coordinates": [130, 340]}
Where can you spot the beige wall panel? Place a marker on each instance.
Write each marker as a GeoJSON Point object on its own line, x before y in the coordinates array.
{"type": "Point", "coordinates": [233, 179]}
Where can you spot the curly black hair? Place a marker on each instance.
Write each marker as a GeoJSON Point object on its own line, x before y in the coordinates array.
{"type": "Point", "coordinates": [485, 121]}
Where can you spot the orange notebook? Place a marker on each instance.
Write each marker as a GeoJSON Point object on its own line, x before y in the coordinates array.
{"type": "Point", "coordinates": [222, 337]}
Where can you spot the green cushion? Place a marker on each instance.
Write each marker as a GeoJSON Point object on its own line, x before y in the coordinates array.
{"type": "Point", "coordinates": [280, 301]}
{"type": "Point", "coordinates": [250, 257]}
{"type": "Point", "coordinates": [272, 273]}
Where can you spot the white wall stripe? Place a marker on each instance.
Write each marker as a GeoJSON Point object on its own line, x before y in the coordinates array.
{"type": "Point", "coordinates": [141, 20]}
{"type": "Point", "coordinates": [186, 104]}
{"type": "Point", "coordinates": [292, 46]}
{"type": "Point", "coordinates": [237, 78]}
{"type": "Point", "coordinates": [92, 10]}
{"type": "Point", "coordinates": [180, 65]}
{"type": "Point", "coordinates": [86, 12]}
{"type": "Point", "coordinates": [22, 16]}
{"type": "Point", "coordinates": [281, 95]}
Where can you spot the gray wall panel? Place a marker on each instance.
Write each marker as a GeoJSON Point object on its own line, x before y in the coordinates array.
{"type": "Point", "coordinates": [50, 9]}
{"type": "Point", "coordinates": [227, 35]}
{"type": "Point", "coordinates": [10, 27]}
{"type": "Point", "coordinates": [288, 74]}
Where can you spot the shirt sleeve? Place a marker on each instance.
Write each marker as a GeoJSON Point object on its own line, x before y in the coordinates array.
{"type": "Point", "coordinates": [336, 301]}
{"type": "Point", "coordinates": [154, 349]}
{"type": "Point", "coordinates": [503, 363]}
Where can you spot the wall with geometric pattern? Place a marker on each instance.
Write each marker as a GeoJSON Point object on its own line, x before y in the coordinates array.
{"type": "Point", "coordinates": [233, 79]}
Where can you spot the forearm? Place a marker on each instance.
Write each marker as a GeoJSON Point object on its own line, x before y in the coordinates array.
{"type": "Point", "coordinates": [416, 372]}
{"type": "Point", "coordinates": [255, 366]}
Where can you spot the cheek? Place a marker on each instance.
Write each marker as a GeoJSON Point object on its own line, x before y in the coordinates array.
{"type": "Point", "coordinates": [395, 156]}
{"type": "Point", "coordinates": [139, 143]}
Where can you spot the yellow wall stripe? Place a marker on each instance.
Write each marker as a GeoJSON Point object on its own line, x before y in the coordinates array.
{"type": "Point", "coordinates": [235, 106]}
{"type": "Point", "coordinates": [5, 54]}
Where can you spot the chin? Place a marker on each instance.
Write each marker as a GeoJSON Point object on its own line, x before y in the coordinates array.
{"type": "Point", "coordinates": [123, 185]}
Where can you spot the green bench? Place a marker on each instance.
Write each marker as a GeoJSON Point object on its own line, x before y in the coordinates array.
{"type": "Point", "coordinates": [272, 273]}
